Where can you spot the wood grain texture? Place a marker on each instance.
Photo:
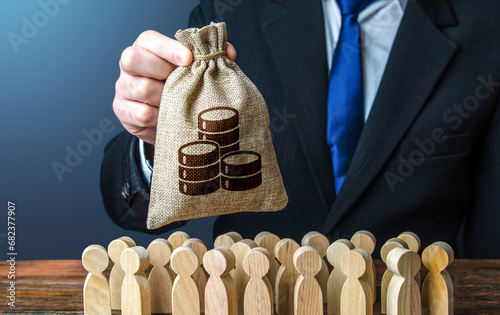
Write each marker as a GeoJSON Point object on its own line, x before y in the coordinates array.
{"type": "Point", "coordinates": [337, 278]}
{"type": "Point", "coordinates": [319, 242]}
{"type": "Point", "coordinates": [414, 245]}
{"type": "Point", "coordinates": [366, 240]}
{"type": "Point", "coordinates": [437, 289]}
{"type": "Point", "coordinates": [386, 278]}
{"type": "Point", "coordinates": [200, 276]}
{"type": "Point", "coordinates": [220, 292]}
{"type": "Point", "coordinates": [96, 295]}
{"type": "Point", "coordinates": [115, 249]}
{"type": "Point", "coordinates": [56, 286]}
{"type": "Point", "coordinates": [185, 295]}
{"type": "Point", "coordinates": [268, 241]}
{"type": "Point", "coordinates": [135, 292]}
{"type": "Point", "coordinates": [356, 297]}
{"type": "Point", "coordinates": [286, 277]}
{"type": "Point", "coordinates": [308, 298]}
{"type": "Point", "coordinates": [240, 277]}
{"type": "Point", "coordinates": [160, 279]}
{"type": "Point", "coordinates": [227, 239]}
{"type": "Point", "coordinates": [258, 299]}
{"type": "Point", "coordinates": [176, 239]}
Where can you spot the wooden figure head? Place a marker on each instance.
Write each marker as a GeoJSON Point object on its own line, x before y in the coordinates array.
{"type": "Point", "coordinates": [159, 252]}
{"type": "Point", "coordinates": [257, 262]}
{"type": "Point", "coordinates": [307, 261]}
{"type": "Point", "coordinates": [95, 259]}
{"type": "Point", "coordinates": [316, 240]}
{"type": "Point", "coordinates": [219, 261]}
{"type": "Point", "coordinates": [412, 240]}
{"type": "Point", "coordinates": [184, 261]}
{"type": "Point", "coordinates": [390, 245]}
{"type": "Point", "coordinates": [364, 240]}
{"type": "Point", "coordinates": [438, 256]}
{"type": "Point", "coordinates": [355, 263]}
{"type": "Point", "coordinates": [134, 260]}
{"type": "Point", "coordinates": [284, 251]}
{"type": "Point", "coordinates": [336, 250]}
{"type": "Point", "coordinates": [403, 262]}
{"type": "Point", "coordinates": [116, 247]}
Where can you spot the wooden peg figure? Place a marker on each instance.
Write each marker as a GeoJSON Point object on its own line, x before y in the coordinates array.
{"type": "Point", "coordinates": [176, 239]}
{"type": "Point", "coordinates": [403, 294]}
{"type": "Point", "coordinates": [115, 249]}
{"type": "Point", "coordinates": [240, 250]}
{"type": "Point", "coordinates": [388, 274]}
{"type": "Point", "coordinates": [96, 295]}
{"type": "Point", "coordinates": [337, 278]}
{"type": "Point", "coordinates": [308, 298]}
{"type": "Point", "coordinates": [437, 289]}
{"type": "Point", "coordinates": [366, 240]}
{"type": "Point", "coordinates": [320, 243]}
{"type": "Point", "coordinates": [185, 295]}
{"type": "Point", "coordinates": [258, 299]}
{"type": "Point", "coordinates": [414, 243]}
{"type": "Point", "coordinates": [356, 296]}
{"type": "Point", "coordinates": [286, 277]}
{"type": "Point", "coordinates": [220, 292]}
{"type": "Point", "coordinates": [227, 239]}
{"type": "Point", "coordinates": [160, 279]}
{"type": "Point", "coordinates": [136, 294]}
{"type": "Point", "coordinates": [268, 241]}
{"type": "Point", "coordinates": [200, 276]}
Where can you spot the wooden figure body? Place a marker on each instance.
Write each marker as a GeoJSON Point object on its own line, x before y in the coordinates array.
{"type": "Point", "coordinates": [366, 240]}
{"type": "Point", "coordinates": [308, 298]}
{"type": "Point", "coordinates": [386, 278]}
{"type": "Point", "coordinates": [403, 294]}
{"type": "Point", "coordinates": [227, 239]}
{"type": "Point", "coordinates": [268, 241]}
{"type": "Point", "coordinates": [96, 295]}
{"type": "Point", "coordinates": [356, 297]}
{"type": "Point", "coordinates": [185, 295]}
{"type": "Point", "coordinates": [240, 249]}
{"type": "Point", "coordinates": [437, 289]}
{"type": "Point", "coordinates": [176, 239]}
{"type": "Point", "coordinates": [320, 243]}
{"type": "Point", "coordinates": [258, 298]}
{"type": "Point", "coordinates": [115, 249]}
{"type": "Point", "coordinates": [220, 292]}
{"type": "Point", "coordinates": [160, 279]}
{"type": "Point", "coordinates": [135, 295]}
{"type": "Point", "coordinates": [337, 278]}
{"type": "Point", "coordinates": [413, 242]}
{"type": "Point", "coordinates": [200, 276]}
{"type": "Point", "coordinates": [286, 277]}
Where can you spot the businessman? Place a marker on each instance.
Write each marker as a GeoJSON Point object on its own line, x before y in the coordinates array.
{"type": "Point", "coordinates": [384, 113]}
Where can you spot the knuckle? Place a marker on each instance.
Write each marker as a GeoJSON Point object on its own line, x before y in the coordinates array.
{"type": "Point", "coordinates": [145, 89]}
{"type": "Point", "coordinates": [117, 108]}
{"type": "Point", "coordinates": [144, 116]}
{"type": "Point", "coordinates": [145, 37]}
{"type": "Point", "coordinates": [129, 58]}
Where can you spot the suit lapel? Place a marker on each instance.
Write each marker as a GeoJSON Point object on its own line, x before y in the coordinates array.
{"type": "Point", "coordinates": [419, 56]}
{"type": "Point", "coordinates": [299, 53]}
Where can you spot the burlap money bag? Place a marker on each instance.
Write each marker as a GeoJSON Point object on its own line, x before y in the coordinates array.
{"type": "Point", "coordinates": [213, 154]}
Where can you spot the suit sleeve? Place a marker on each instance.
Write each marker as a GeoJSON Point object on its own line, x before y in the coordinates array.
{"type": "Point", "coordinates": [482, 231]}
{"type": "Point", "coordinates": [124, 191]}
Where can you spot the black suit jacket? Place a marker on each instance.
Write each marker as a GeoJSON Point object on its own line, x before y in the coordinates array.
{"type": "Point", "coordinates": [428, 159]}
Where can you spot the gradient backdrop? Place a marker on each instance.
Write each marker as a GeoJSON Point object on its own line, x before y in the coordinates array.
{"type": "Point", "coordinates": [58, 67]}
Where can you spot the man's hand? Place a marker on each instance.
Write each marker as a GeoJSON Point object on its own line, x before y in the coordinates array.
{"type": "Point", "coordinates": [144, 67]}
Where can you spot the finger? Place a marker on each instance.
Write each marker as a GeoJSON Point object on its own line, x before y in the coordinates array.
{"type": "Point", "coordinates": [140, 89]}
{"type": "Point", "coordinates": [230, 51]}
{"type": "Point", "coordinates": [134, 115]}
{"type": "Point", "coordinates": [138, 61]}
{"type": "Point", "coordinates": [146, 134]}
{"type": "Point", "coordinates": [165, 48]}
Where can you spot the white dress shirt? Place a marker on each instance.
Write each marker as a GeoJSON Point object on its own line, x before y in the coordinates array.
{"type": "Point", "coordinates": [379, 23]}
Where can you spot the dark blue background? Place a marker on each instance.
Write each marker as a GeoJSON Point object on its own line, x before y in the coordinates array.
{"type": "Point", "coordinates": [58, 84]}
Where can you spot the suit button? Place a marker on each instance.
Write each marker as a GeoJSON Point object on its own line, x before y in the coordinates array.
{"type": "Point", "coordinates": [125, 191]}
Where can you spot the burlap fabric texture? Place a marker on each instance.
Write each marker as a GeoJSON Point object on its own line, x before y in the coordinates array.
{"type": "Point", "coordinates": [213, 153]}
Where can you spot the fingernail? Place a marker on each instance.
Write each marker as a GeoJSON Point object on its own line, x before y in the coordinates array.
{"type": "Point", "coordinates": [180, 56]}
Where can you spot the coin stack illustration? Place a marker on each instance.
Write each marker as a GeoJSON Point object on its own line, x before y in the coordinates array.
{"type": "Point", "coordinates": [215, 158]}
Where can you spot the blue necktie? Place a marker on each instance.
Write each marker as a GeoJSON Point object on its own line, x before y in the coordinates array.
{"type": "Point", "coordinates": [345, 118]}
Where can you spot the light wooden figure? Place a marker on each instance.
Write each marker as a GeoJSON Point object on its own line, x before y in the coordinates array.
{"type": "Point", "coordinates": [220, 292]}
{"type": "Point", "coordinates": [286, 277]}
{"type": "Point", "coordinates": [200, 276]}
{"type": "Point", "coordinates": [136, 294]}
{"type": "Point", "coordinates": [176, 239]}
{"type": "Point", "coordinates": [403, 294]}
{"type": "Point", "coordinates": [414, 244]}
{"type": "Point", "coordinates": [337, 278]}
{"type": "Point", "coordinates": [96, 296]}
{"type": "Point", "coordinates": [356, 296]}
{"type": "Point", "coordinates": [366, 240]}
{"type": "Point", "coordinates": [320, 243]}
{"type": "Point", "coordinates": [386, 278]}
{"type": "Point", "coordinates": [258, 299]}
{"type": "Point", "coordinates": [160, 279]}
{"type": "Point", "coordinates": [240, 277]}
{"type": "Point", "coordinates": [227, 239]}
{"type": "Point", "coordinates": [268, 241]}
{"type": "Point", "coordinates": [437, 289]}
{"type": "Point", "coordinates": [115, 249]}
{"type": "Point", "coordinates": [308, 298]}
{"type": "Point", "coordinates": [185, 295]}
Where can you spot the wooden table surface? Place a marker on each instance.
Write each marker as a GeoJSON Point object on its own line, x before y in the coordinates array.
{"type": "Point", "coordinates": [55, 286]}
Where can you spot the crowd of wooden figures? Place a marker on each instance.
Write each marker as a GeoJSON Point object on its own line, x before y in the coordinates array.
{"type": "Point", "coordinates": [267, 276]}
